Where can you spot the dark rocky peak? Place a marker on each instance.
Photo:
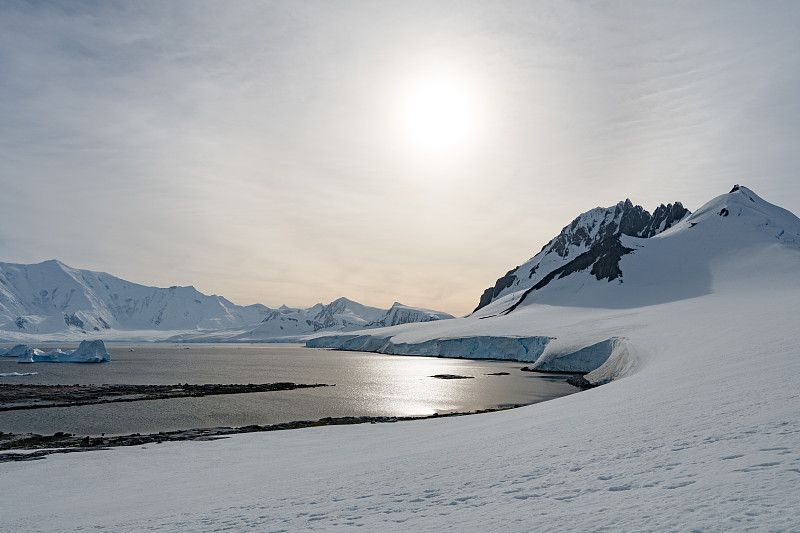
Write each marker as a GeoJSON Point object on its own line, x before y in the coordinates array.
{"type": "Point", "coordinates": [584, 233]}
{"type": "Point", "coordinates": [664, 217]}
{"type": "Point", "coordinates": [603, 260]}
{"type": "Point", "coordinates": [598, 225]}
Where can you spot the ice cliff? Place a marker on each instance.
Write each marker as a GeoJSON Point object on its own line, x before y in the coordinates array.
{"type": "Point", "coordinates": [570, 319]}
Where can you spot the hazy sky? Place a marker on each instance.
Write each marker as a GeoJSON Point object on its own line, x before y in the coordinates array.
{"type": "Point", "coordinates": [294, 152]}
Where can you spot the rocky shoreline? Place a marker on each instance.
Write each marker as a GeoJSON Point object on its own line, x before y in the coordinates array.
{"type": "Point", "coordinates": [27, 447]}
{"type": "Point", "coordinates": [13, 397]}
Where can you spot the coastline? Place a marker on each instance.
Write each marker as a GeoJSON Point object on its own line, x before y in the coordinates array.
{"type": "Point", "coordinates": [29, 447]}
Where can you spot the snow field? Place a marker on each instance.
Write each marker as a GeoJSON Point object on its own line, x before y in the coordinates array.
{"type": "Point", "coordinates": [704, 437]}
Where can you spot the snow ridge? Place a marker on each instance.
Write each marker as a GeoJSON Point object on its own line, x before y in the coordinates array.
{"type": "Point", "coordinates": [584, 234]}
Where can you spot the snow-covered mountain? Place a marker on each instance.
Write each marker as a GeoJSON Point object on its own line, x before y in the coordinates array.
{"type": "Point", "coordinates": [52, 297]}
{"type": "Point", "coordinates": [340, 315]}
{"type": "Point", "coordinates": [595, 231]}
{"type": "Point", "coordinates": [403, 314]}
{"type": "Point", "coordinates": [54, 300]}
{"type": "Point", "coordinates": [572, 319]}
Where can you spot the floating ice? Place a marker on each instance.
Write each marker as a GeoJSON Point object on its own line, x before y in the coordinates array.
{"type": "Point", "coordinates": [86, 352]}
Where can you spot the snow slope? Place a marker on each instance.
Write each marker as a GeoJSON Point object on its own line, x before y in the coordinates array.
{"type": "Point", "coordinates": [704, 435]}
{"type": "Point", "coordinates": [587, 231]}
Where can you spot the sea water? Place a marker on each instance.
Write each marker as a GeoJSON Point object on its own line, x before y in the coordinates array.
{"type": "Point", "coordinates": [366, 384]}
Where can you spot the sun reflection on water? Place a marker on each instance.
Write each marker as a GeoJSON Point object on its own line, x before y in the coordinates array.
{"type": "Point", "coordinates": [412, 390]}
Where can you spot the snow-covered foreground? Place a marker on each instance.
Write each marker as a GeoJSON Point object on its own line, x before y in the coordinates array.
{"type": "Point", "coordinates": [706, 436]}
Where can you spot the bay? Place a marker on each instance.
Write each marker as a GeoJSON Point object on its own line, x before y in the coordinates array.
{"type": "Point", "coordinates": [366, 384]}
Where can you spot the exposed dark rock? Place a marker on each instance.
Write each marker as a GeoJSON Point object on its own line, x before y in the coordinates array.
{"type": "Point", "coordinates": [724, 212]}
{"type": "Point", "coordinates": [326, 317]}
{"type": "Point", "coordinates": [20, 322]}
{"type": "Point", "coordinates": [622, 219]}
{"type": "Point", "coordinates": [664, 217]}
{"type": "Point", "coordinates": [451, 376]}
{"type": "Point", "coordinates": [73, 320]}
{"type": "Point", "coordinates": [581, 382]}
{"type": "Point", "coordinates": [501, 284]}
{"type": "Point", "coordinates": [735, 188]}
{"type": "Point", "coordinates": [14, 397]}
{"type": "Point", "coordinates": [499, 374]}
{"type": "Point", "coordinates": [66, 443]}
{"type": "Point", "coordinates": [603, 260]}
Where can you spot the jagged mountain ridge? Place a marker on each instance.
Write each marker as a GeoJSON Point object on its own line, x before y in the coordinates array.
{"type": "Point", "coordinates": [340, 315]}
{"type": "Point", "coordinates": [51, 297]}
{"type": "Point", "coordinates": [598, 227]}
{"type": "Point", "coordinates": [675, 263]}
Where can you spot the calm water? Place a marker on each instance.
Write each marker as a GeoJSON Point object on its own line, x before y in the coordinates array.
{"type": "Point", "coordinates": [367, 384]}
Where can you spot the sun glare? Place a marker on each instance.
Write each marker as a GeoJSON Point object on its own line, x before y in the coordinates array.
{"type": "Point", "coordinates": [438, 115]}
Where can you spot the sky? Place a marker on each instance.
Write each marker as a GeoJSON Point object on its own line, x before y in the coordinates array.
{"type": "Point", "coordinates": [414, 151]}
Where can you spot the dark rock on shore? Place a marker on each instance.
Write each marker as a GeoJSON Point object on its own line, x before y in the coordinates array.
{"type": "Point", "coordinates": [66, 443]}
{"type": "Point", "coordinates": [41, 396]}
{"type": "Point", "coordinates": [581, 382]}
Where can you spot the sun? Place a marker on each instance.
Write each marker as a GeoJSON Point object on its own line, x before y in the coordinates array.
{"type": "Point", "coordinates": [437, 115]}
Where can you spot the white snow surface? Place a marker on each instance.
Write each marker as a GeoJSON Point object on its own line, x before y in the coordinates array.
{"type": "Point", "coordinates": [702, 434]}
{"type": "Point", "coordinates": [51, 301]}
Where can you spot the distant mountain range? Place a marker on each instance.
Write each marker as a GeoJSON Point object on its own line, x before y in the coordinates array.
{"type": "Point", "coordinates": [51, 300]}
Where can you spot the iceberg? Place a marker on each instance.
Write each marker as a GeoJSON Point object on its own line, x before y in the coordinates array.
{"type": "Point", "coordinates": [18, 350]}
{"type": "Point", "coordinates": [86, 352]}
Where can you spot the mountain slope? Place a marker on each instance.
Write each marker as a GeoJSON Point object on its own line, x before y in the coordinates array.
{"type": "Point", "coordinates": [51, 296]}
{"type": "Point", "coordinates": [588, 231]}
{"type": "Point", "coordinates": [675, 264]}
{"type": "Point", "coordinates": [737, 243]}
{"type": "Point", "coordinates": [340, 315]}
{"type": "Point", "coordinates": [56, 300]}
